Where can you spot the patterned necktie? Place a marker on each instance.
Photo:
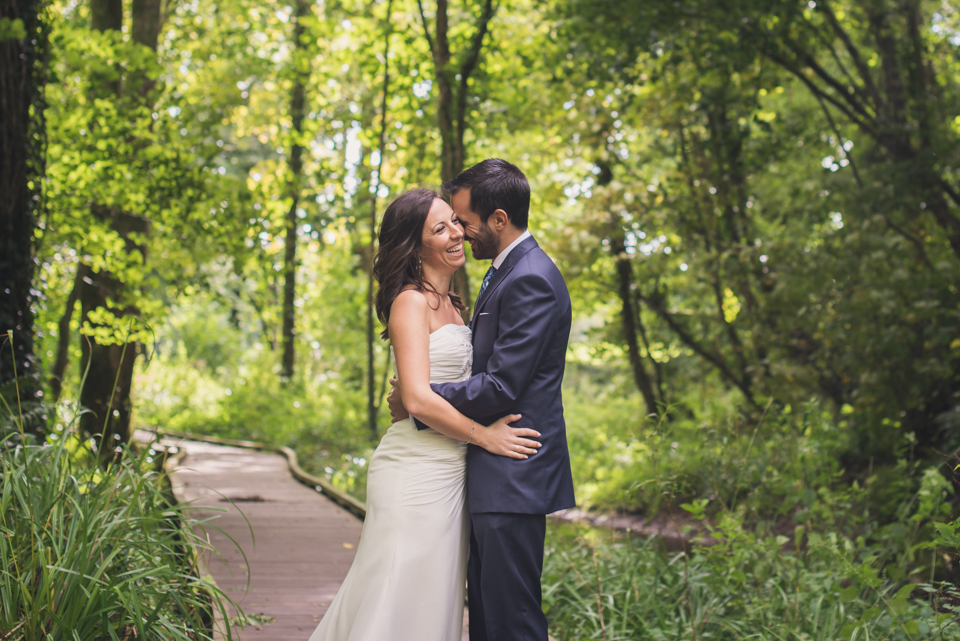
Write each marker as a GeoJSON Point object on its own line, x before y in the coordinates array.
{"type": "Point", "coordinates": [486, 280]}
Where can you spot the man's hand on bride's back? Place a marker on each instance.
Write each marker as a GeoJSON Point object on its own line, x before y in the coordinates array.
{"type": "Point", "coordinates": [503, 440]}
{"type": "Point", "coordinates": [397, 411]}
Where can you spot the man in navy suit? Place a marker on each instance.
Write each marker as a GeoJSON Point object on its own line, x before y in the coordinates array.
{"type": "Point", "coordinates": [521, 325]}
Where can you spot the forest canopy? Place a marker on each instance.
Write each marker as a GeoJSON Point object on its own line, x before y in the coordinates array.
{"type": "Point", "coordinates": [756, 206]}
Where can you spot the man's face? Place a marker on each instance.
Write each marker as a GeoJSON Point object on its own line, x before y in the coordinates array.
{"type": "Point", "coordinates": [484, 242]}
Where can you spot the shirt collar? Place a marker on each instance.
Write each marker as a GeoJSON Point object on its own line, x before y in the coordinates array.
{"type": "Point", "coordinates": [502, 256]}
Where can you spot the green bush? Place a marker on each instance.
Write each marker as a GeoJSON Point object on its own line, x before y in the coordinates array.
{"type": "Point", "coordinates": [707, 449]}
{"type": "Point", "coordinates": [213, 378]}
{"type": "Point", "coordinates": [88, 554]}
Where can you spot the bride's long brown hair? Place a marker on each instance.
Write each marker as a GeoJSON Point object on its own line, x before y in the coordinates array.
{"type": "Point", "coordinates": [398, 263]}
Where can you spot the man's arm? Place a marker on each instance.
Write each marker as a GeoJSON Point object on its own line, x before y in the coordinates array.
{"type": "Point", "coordinates": [529, 315]}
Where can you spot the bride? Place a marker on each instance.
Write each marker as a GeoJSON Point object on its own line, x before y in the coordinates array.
{"type": "Point", "coordinates": [407, 580]}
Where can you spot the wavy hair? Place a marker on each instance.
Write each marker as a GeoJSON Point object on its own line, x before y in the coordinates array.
{"type": "Point", "coordinates": [398, 263]}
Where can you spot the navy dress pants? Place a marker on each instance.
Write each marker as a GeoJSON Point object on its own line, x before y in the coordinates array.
{"type": "Point", "coordinates": [503, 577]}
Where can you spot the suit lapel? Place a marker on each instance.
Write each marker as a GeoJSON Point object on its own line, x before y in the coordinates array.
{"type": "Point", "coordinates": [511, 261]}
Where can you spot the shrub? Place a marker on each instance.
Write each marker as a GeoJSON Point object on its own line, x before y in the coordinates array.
{"type": "Point", "coordinates": [91, 554]}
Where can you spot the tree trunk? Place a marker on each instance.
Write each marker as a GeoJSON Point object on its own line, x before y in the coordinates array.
{"type": "Point", "coordinates": [145, 29]}
{"type": "Point", "coordinates": [63, 334]}
{"type": "Point", "coordinates": [21, 168]}
{"type": "Point", "coordinates": [106, 389]}
{"type": "Point", "coordinates": [373, 406]}
{"type": "Point", "coordinates": [297, 103]}
{"type": "Point", "coordinates": [628, 319]}
{"type": "Point", "coordinates": [451, 156]}
{"type": "Point", "coordinates": [452, 103]}
{"type": "Point", "coordinates": [146, 22]}
{"type": "Point", "coordinates": [290, 272]}
{"type": "Point", "coordinates": [657, 369]}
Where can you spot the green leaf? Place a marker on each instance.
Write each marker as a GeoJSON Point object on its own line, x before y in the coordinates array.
{"type": "Point", "coordinates": [12, 29]}
{"type": "Point", "coordinates": [850, 593]}
{"type": "Point", "coordinates": [905, 592]}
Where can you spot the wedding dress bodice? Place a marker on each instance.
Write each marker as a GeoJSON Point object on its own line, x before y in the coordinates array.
{"type": "Point", "coordinates": [451, 354]}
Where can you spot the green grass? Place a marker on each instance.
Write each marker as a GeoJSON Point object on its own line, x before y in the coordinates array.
{"type": "Point", "coordinates": [745, 587]}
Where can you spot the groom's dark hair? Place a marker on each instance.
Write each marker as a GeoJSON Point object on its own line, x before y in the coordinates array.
{"type": "Point", "coordinates": [494, 184]}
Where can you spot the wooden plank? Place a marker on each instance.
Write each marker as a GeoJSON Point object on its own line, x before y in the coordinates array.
{"type": "Point", "coordinates": [300, 549]}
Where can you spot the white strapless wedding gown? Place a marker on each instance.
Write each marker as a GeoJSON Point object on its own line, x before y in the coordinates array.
{"type": "Point", "coordinates": [408, 579]}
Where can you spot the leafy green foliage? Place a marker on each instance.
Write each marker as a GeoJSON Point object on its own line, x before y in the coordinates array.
{"type": "Point", "coordinates": [21, 419]}
{"type": "Point", "coordinates": [764, 277]}
{"type": "Point", "coordinates": [12, 29]}
{"type": "Point", "coordinates": [741, 586]}
{"type": "Point", "coordinates": [98, 555]}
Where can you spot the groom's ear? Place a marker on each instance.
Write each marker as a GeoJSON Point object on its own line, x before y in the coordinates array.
{"type": "Point", "coordinates": [499, 220]}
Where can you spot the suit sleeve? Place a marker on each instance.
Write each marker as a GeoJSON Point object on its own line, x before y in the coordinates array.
{"type": "Point", "coordinates": [529, 316]}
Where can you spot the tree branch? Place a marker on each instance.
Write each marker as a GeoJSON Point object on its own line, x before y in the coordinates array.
{"type": "Point", "coordinates": [854, 53]}
{"type": "Point", "coordinates": [836, 132]}
{"type": "Point", "coordinates": [426, 30]}
{"type": "Point", "coordinates": [473, 55]}
{"type": "Point", "coordinates": [828, 45]}
{"type": "Point", "coordinates": [466, 70]}
{"type": "Point", "coordinates": [916, 242]}
{"type": "Point", "coordinates": [954, 196]}
{"type": "Point", "coordinates": [715, 359]}
{"type": "Point", "coordinates": [811, 62]}
{"type": "Point", "coordinates": [812, 86]}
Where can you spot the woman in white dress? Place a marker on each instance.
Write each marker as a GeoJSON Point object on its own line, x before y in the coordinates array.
{"type": "Point", "coordinates": [407, 580]}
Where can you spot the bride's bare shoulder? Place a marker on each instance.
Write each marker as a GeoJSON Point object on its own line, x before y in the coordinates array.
{"type": "Point", "coordinates": [409, 306]}
{"type": "Point", "coordinates": [410, 296]}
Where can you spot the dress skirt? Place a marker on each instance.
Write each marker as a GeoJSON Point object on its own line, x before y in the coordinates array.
{"type": "Point", "coordinates": [408, 579]}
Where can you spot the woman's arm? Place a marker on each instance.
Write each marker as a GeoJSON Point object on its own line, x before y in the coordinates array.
{"type": "Point", "coordinates": [409, 327]}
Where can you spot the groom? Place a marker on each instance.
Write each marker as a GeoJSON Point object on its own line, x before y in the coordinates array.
{"type": "Point", "coordinates": [521, 324]}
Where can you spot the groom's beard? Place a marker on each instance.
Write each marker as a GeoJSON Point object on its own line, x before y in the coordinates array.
{"type": "Point", "coordinates": [484, 244]}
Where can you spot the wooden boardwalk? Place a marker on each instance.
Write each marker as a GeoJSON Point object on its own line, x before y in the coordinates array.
{"type": "Point", "coordinates": [302, 544]}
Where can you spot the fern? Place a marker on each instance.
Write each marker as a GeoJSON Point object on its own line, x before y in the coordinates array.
{"type": "Point", "coordinates": [28, 415]}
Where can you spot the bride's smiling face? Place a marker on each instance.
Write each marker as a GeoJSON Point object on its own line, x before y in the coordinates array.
{"type": "Point", "coordinates": [442, 238]}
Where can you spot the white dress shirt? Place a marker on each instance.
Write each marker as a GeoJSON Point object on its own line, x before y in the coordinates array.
{"type": "Point", "coordinates": [502, 256]}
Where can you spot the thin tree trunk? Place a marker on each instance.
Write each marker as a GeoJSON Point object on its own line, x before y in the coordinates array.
{"type": "Point", "coordinates": [892, 125]}
{"type": "Point", "coordinates": [715, 359]}
{"type": "Point", "coordinates": [628, 320]}
{"type": "Point", "coordinates": [63, 334]}
{"type": "Point", "coordinates": [452, 103]}
{"type": "Point", "coordinates": [146, 22]}
{"type": "Point", "coordinates": [21, 170]}
{"type": "Point", "coordinates": [657, 369]}
{"type": "Point", "coordinates": [931, 183]}
{"type": "Point", "coordinates": [372, 404]}
{"type": "Point", "coordinates": [297, 104]}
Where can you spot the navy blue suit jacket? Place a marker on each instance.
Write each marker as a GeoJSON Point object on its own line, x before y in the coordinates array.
{"type": "Point", "coordinates": [521, 326]}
